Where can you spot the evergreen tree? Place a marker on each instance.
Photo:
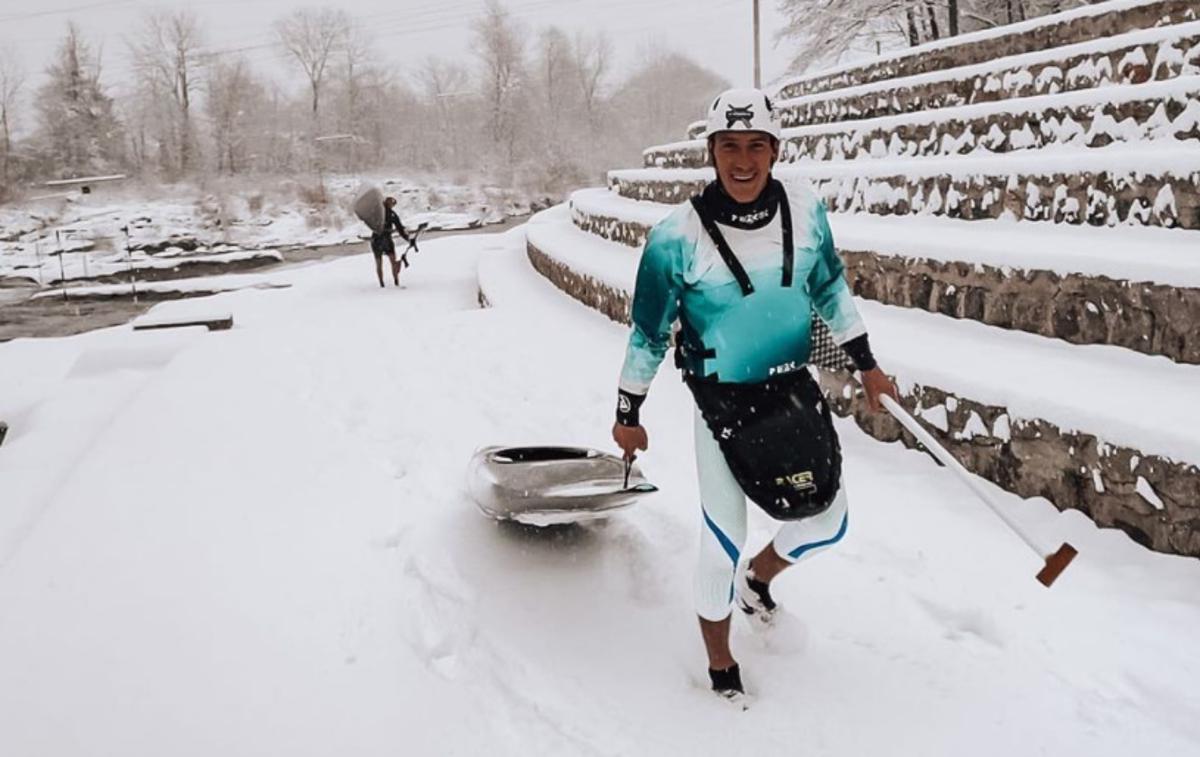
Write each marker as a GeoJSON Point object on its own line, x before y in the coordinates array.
{"type": "Point", "coordinates": [78, 132]}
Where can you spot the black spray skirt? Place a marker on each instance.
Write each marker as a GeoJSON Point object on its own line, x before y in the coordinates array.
{"type": "Point", "coordinates": [778, 439]}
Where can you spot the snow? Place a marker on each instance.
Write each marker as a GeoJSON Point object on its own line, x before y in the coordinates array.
{"type": "Point", "coordinates": [974, 427]}
{"type": "Point", "coordinates": [1002, 428]}
{"type": "Point", "coordinates": [935, 416]}
{"type": "Point", "coordinates": [1146, 491]}
{"type": "Point", "coordinates": [257, 542]}
{"type": "Point", "coordinates": [1165, 256]}
{"type": "Point", "coordinates": [552, 232]}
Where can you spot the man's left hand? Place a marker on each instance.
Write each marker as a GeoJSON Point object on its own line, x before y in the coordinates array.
{"type": "Point", "coordinates": [875, 382]}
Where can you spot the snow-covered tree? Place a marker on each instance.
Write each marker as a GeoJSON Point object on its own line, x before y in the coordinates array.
{"type": "Point", "coordinates": [824, 31]}
{"type": "Point", "coordinates": [77, 130]}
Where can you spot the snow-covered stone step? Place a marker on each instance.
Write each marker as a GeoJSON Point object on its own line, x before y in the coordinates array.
{"type": "Point", "coordinates": [1136, 288]}
{"type": "Point", "coordinates": [1168, 110]}
{"type": "Point", "coordinates": [1130, 59]}
{"type": "Point", "coordinates": [1091, 23]}
{"type": "Point", "coordinates": [1129, 184]}
{"type": "Point", "coordinates": [1105, 430]}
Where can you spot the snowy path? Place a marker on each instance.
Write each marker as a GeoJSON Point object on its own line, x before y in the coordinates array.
{"type": "Point", "coordinates": [256, 542]}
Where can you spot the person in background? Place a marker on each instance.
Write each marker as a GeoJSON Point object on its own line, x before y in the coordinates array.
{"type": "Point", "coordinates": [382, 244]}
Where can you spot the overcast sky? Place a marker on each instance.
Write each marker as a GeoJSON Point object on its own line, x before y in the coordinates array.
{"type": "Point", "coordinates": [717, 33]}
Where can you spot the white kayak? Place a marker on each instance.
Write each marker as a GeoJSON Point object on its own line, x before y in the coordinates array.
{"type": "Point", "coordinates": [546, 486]}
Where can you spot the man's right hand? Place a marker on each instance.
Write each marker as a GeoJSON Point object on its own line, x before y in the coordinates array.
{"type": "Point", "coordinates": [630, 439]}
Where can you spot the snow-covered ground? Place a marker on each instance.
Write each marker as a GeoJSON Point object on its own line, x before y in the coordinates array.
{"type": "Point", "coordinates": [258, 542]}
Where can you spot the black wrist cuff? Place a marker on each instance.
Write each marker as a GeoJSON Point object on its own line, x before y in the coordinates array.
{"type": "Point", "coordinates": [859, 350]}
{"type": "Point", "coordinates": [628, 407]}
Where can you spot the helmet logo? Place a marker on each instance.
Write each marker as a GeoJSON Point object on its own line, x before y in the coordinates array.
{"type": "Point", "coordinates": [733, 114]}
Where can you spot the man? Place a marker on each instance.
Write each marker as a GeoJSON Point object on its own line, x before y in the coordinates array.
{"type": "Point", "coordinates": [382, 244]}
{"type": "Point", "coordinates": [742, 267]}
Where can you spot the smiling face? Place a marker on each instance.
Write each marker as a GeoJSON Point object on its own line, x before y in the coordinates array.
{"type": "Point", "coordinates": [744, 160]}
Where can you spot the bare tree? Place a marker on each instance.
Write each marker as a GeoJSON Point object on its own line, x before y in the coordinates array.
{"type": "Point", "coordinates": [593, 55]}
{"type": "Point", "coordinates": [12, 80]}
{"type": "Point", "coordinates": [446, 87]}
{"type": "Point", "coordinates": [232, 97]}
{"type": "Point", "coordinates": [666, 91]}
{"type": "Point", "coordinates": [553, 69]}
{"type": "Point", "coordinates": [827, 29]}
{"type": "Point", "coordinates": [498, 45]}
{"type": "Point", "coordinates": [354, 56]}
{"type": "Point", "coordinates": [311, 37]}
{"type": "Point", "coordinates": [166, 56]}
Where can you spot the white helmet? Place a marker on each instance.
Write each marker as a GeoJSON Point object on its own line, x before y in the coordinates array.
{"type": "Point", "coordinates": [742, 110]}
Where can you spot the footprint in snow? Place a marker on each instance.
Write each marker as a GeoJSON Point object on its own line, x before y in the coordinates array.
{"type": "Point", "coordinates": [960, 623]}
{"type": "Point", "coordinates": [438, 613]}
{"type": "Point", "coordinates": [786, 634]}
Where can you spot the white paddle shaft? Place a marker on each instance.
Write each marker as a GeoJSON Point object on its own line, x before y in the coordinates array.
{"type": "Point", "coordinates": [938, 451]}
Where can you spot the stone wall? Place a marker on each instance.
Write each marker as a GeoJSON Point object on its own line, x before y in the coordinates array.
{"type": "Point", "coordinates": [1097, 198]}
{"type": "Point", "coordinates": [1097, 124]}
{"type": "Point", "coordinates": [628, 233]}
{"type": "Point", "coordinates": [1129, 64]}
{"type": "Point", "coordinates": [1035, 458]}
{"type": "Point", "coordinates": [1029, 457]}
{"type": "Point", "coordinates": [1049, 33]}
{"type": "Point", "coordinates": [594, 293]}
{"type": "Point", "coordinates": [1149, 318]}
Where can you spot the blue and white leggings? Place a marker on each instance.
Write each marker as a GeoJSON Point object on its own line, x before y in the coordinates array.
{"type": "Point", "coordinates": [723, 530]}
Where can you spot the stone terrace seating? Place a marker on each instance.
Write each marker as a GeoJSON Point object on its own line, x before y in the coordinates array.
{"type": "Point", "coordinates": [1082, 25]}
{"type": "Point", "coordinates": [1019, 212]}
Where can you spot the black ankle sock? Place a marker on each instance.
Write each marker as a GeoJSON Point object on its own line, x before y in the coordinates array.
{"type": "Point", "coordinates": [729, 679]}
{"type": "Point", "coordinates": [762, 589]}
